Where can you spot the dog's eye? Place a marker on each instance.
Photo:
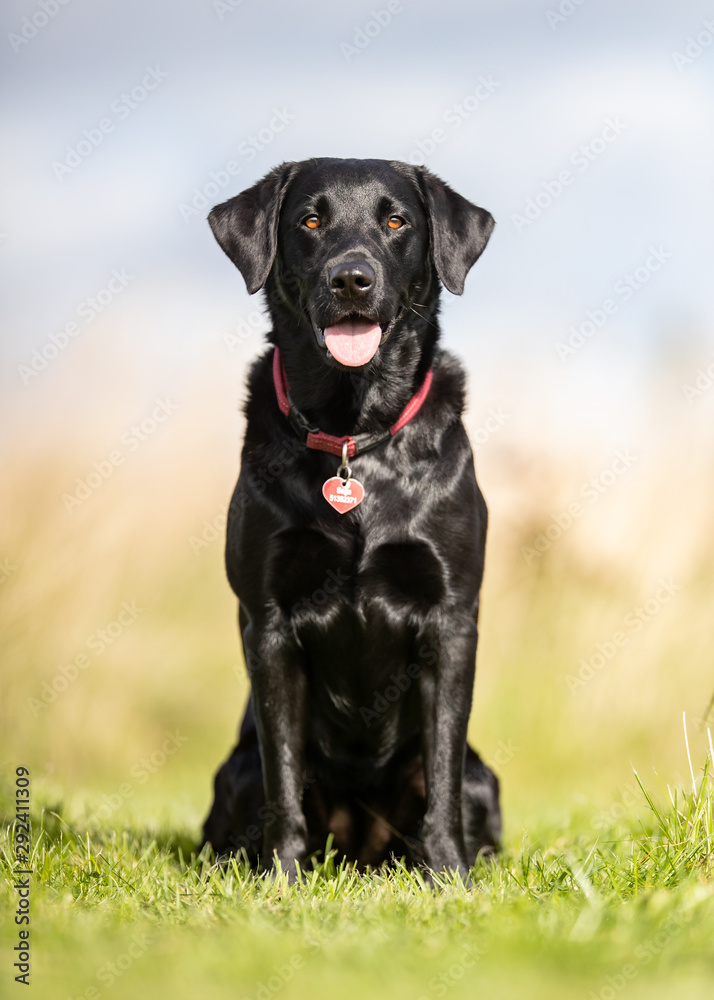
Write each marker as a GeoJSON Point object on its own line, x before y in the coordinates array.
{"type": "Point", "coordinates": [312, 221]}
{"type": "Point", "coordinates": [395, 222]}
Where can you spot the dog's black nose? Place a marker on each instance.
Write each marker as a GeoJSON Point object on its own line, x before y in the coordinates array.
{"type": "Point", "coordinates": [352, 279]}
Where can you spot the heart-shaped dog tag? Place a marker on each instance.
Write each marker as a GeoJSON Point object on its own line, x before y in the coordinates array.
{"type": "Point", "coordinates": [343, 494]}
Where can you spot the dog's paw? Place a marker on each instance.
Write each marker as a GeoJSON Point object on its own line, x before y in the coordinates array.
{"type": "Point", "coordinates": [286, 860]}
{"type": "Point", "coordinates": [444, 858]}
{"type": "Point", "coordinates": [438, 877]}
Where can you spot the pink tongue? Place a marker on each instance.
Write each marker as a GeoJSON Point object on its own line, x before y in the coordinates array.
{"type": "Point", "coordinates": [353, 342]}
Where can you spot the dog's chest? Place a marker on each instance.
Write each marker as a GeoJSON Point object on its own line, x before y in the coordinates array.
{"type": "Point", "coordinates": [355, 606]}
{"type": "Point", "coordinates": [314, 574]}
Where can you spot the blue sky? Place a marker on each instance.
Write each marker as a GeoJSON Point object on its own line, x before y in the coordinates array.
{"type": "Point", "coordinates": [595, 120]}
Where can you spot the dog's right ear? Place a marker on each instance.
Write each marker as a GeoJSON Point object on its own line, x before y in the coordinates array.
{"type": "Point", "coordinates": [458, 229]}
{"type": "Point", "coordinates": [246, 226]}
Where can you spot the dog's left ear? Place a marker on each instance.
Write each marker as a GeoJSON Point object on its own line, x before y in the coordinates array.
{"type": "Point", "coordinates": [459, 230]}
{"type": "Point", "coordinates": [246, 226]}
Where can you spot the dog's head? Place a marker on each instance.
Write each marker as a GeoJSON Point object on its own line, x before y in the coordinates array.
{"type": "Point", "coordinates": [351, 249]}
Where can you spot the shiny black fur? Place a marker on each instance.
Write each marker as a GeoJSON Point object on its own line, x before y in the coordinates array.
{"type": "Point", "coordinates": [359, 629]}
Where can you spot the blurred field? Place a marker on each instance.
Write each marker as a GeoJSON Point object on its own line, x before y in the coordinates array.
{"type": "Point", "coordinates": [151, 535]}
{"type": "Point", "coordinates": [123, 686]}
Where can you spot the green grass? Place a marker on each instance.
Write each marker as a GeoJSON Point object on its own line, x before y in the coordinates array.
{"type": "Point", "coordinates": [598, 893]}
{"type": "Point", "coordinates": [593, 906]}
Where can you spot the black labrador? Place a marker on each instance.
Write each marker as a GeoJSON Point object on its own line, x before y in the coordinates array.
{"type": "Point", "coordinates": [355, 540]}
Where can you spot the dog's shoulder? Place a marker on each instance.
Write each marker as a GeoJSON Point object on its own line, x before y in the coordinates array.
{"type": "Point", "coordinates": [439, 420]}
{"type": "Point", "coordinates": [260, 407]}
{"type": "Point", "coordinates": [447, 395]}
{"type": "Point", "coordinates": [260, 380]}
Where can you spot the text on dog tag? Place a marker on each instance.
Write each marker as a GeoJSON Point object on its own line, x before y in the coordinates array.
{"type": "Point", "coordinates": [343, 494]}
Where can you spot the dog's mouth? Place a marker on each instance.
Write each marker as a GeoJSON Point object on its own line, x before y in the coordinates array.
{"type": "Point", "coordinates": [354, 339]}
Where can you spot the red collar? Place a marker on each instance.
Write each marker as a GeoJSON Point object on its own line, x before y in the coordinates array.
{"type": "Point", "coordinates": [313, 437]}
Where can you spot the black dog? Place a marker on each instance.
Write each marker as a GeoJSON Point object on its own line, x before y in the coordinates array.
{"type": "Point", "coordinates": [358, 616]}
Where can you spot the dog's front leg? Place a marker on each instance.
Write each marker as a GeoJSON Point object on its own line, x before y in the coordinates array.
{"type": "Point", "coordinates": [446, 693]}
{"type": "Point", "coordinates": [279, 692]}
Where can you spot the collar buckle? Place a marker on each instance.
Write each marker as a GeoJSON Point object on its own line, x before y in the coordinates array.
{"type": "Point", "coordinates": [300, 424]}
